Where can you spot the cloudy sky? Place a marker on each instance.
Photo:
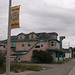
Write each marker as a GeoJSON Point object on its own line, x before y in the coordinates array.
{"type": "Point", "coordinates": [42, 16]}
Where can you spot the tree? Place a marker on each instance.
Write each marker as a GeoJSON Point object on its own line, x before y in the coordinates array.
{"type": "Point", "coordinates": [41, 56]}
{"type": "Point", "coordinates": [2, 58]}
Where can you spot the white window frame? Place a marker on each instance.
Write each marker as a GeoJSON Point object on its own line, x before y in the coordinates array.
{"type": "Point", "coordinates": [32, 36]}
{"type": "Point", "coordinates": [51, 43]}
{"type": "Point", "coordinates": [41, 44]}
{"type": "Point", "coordinates": [20, 36]}
{"type": "Point", "coordinates": [23, 43]}
{"type": "Point", "coordinates": [29, 43]}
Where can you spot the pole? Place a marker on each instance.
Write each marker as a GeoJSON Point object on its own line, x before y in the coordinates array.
{"type": "Point", "coordinates": [60, 43]}
{"type": "Point", "coordinates": [8, 42]}
{"type": "Point", "coordinates": [69, 48]}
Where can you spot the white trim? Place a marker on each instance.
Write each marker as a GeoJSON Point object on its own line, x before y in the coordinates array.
{"type": "Point", "coordinates": [51, 43]}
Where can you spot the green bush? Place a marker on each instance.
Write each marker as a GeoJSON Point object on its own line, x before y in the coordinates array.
{"type": "Point", "coordinates": [41, 57]}
{"type": "Point", "coordinates": [2, 69]}
{"type": "Point", "coordinates": [2, 58]}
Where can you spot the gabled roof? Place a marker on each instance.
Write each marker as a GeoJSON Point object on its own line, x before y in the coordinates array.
{"type": "Point", "coordinates": [44, 36]}
{"type": "Point", "coordinates": [40, 36]}
{"type": "Point", "coordinates": [32, 33]}
{"type": "Point", "coordinates": [53, 33]}
{"type": "Point", "coordinates": [21, 34]}
{"type": "Point", "coordinates": [14, 38]}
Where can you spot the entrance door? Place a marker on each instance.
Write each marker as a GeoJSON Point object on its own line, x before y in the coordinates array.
{"type": "Point", "coordinates": [18, 58]}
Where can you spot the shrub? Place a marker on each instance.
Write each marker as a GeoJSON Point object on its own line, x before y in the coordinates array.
{"type": "Point", "coordinates": [41, 56]}
{"type": "Point", "coordinates": [2, 58]}
{"type": "Point", "coordinates": [2, 69]}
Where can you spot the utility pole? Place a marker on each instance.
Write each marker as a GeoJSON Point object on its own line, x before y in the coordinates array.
{"type": "Point", "coordinates": [61, 38]}
{"type": "Point", "coordinates": [8, 42]}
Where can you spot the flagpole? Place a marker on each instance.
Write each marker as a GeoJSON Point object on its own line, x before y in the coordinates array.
{"type": "Point", "coordinates": [8, 41]}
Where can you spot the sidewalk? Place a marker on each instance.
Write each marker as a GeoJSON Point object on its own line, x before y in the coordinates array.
{"type": "Point", "coordinates": [72, 72]}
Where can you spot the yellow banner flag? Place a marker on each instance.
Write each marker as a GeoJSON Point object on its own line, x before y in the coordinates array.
{"type": "Point", "coordinates": [15, 17]}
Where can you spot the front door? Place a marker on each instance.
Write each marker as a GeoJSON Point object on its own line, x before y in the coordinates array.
{"type": "Point", "coordinates": [19, 58]}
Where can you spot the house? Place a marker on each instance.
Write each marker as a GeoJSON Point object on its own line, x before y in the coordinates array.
{"type": "Point", "coordinates": [68, 53]}
{"type": "Point", "coordinates": [22, 46]}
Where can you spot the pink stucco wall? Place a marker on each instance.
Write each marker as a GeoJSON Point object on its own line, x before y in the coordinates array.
{"type": "Point", "coordinates": [19, 45]}
{"type": "Point", "coordinates": [3, 49]}
{"type": "Point", "coordinates": [27, 57]}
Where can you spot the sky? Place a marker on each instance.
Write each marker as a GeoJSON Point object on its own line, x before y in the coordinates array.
{"type": "Point", "coordinates": [41, 16]}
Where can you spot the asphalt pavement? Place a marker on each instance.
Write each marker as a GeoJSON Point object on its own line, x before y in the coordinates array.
{"type": "Point", "coordinates": [61, 69]}
{"type": "Point", "coordinates": [72, 72]}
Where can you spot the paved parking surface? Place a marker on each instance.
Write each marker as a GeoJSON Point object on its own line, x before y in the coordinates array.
{"type": "Point", "coordinates": [61, 69]}
{"type": "Point", "coordinates": [72, 72]}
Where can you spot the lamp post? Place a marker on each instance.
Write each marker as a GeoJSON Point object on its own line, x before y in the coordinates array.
{"type": "Point", "coordinates": [61, 38]}
{"type": "Point", "coordinates": [8, 42]}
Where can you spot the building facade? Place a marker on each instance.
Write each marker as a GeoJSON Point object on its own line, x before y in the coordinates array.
{"type": "Point", "coordinates": [22, 46]}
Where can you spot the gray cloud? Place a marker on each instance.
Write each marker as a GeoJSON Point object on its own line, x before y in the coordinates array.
{"type": "Point", "coordinates": [40, 16]}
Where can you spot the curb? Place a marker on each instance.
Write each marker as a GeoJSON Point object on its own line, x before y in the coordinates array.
{"type": "Point", "coordinates": [72, 72]}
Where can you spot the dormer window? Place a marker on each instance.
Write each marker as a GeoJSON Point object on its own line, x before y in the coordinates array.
{"type": "Point", "coordinates": [32, 35]}
{"type": "Point", "coordinates": [20, 36]}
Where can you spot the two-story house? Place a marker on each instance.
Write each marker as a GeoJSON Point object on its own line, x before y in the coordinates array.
{"type": "Point", "coordinates": [22, 46]}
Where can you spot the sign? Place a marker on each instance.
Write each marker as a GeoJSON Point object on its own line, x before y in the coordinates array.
{"type": "Point", "coordinates": [15, 17]}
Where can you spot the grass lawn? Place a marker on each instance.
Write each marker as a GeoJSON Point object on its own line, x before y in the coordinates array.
{"type": "Point", "coordinates": [21, 67]}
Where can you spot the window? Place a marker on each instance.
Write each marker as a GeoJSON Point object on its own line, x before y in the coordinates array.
{"type": "Point", "coordinates": [29, 44]}
{"type": "Point", "coordinates": [58, 45]}
{"type": "Point", "coordinates": [37, 46]}
{"type": "Point", "coordinates": [14, 44]}
{"type": "Point", "coordinates": [20, 36]}
{"type": "Point", "coordinates": [32, 35]}
{"type": "Point", "coordinates": [4, 46]}
{"type": "Point", "coordinates": [23, 44]}
{"type": "Point", "coordinates": [41, 44]}
{"type": "Point", "coordinates": [52, 43]}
